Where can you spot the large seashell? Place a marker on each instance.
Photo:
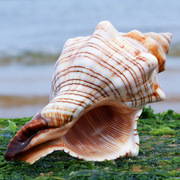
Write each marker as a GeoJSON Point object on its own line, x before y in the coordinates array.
{"type": "Point", "coordinates": [100, 84]}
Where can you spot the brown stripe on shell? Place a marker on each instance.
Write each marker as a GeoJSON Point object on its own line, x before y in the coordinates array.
{"type": "Point", "coordinates": [99, 37]}
{"type": "Point", "coordinates": [159, 41]}
{"type": "Point", "coordinates": [69, 100]}
{"type": "Point", "coordinates": [87, 93]}
{"type": "Point", "coordinates": [88, 84]}
{"type": "Point", "coordinates": [76, 94]}
{"type": "Point", "coordinates": [78, 71]}
{"type": "Point", "coordinates": [74, 67]}
{"type": "Point", "coordinates": [141, 69]}
{"type": "Point", "coordinates": [165, 36]}
{"type": "Point", "coordinates": [135, 77]}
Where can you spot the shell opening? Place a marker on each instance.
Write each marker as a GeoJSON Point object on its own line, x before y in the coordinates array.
{"type": "Point", "coordinates": [104, 132]}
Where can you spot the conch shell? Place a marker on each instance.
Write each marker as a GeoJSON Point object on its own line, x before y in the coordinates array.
{"type": "Point", "coordinates": [100, 84]}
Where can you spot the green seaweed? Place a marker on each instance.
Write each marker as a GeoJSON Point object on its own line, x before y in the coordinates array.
{"type": "Point", "coordinates": [162, 131]}
{"type": "Point", "coordinates": [159, 155]}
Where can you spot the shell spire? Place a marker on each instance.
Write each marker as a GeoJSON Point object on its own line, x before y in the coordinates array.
{"type": "Point", "coordinates": [156, 43]}
{"type": "Point", "coordinates": [99, 86]}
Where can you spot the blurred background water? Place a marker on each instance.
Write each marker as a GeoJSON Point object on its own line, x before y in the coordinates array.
{"type": "Point", "coordinates": [32, 35]}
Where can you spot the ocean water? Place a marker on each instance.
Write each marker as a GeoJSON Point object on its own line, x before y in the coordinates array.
{"type": "Point", "coordinates": [42, 25]}
{"type": "Point", "coordinates": [32, 35]}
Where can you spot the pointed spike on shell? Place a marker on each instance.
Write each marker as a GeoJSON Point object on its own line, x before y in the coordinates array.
{"type": "Point", "coordinates": [105, 24]}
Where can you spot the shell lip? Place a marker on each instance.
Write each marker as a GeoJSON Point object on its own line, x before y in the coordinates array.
{"type": "Point", "coordinates": [12, 151]}
{"type": "Point", "coordinates": [21, 140]}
